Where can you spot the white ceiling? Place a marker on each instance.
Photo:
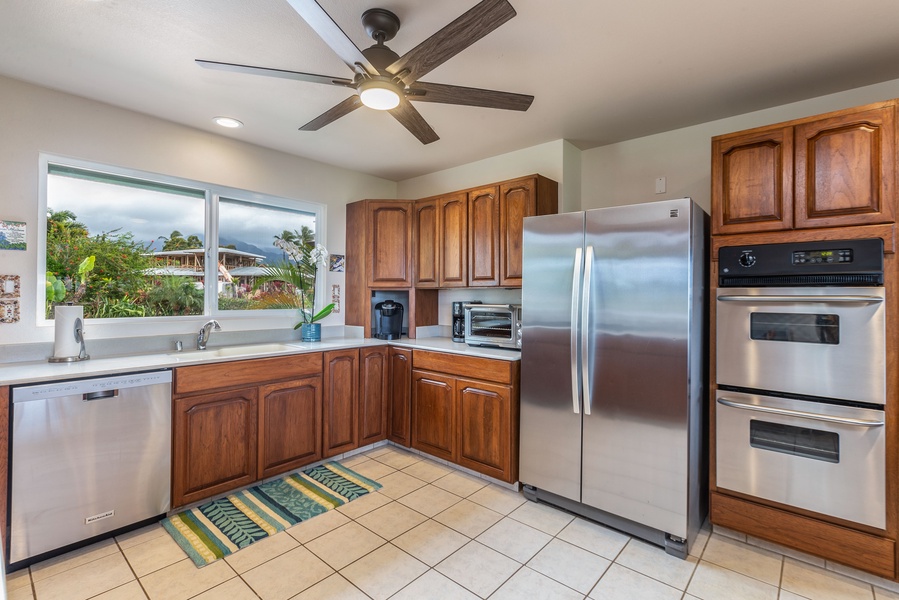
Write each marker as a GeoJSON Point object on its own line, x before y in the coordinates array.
{"type": "Point", "coordinates": [601, 71]}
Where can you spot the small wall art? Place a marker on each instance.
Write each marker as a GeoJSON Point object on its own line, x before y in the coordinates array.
{"type": "Point", "coordinates": [12, 235]}
{"type": "Point", "coordinates": [9, 286]}
{"type": "Point", "coordinates": [337, 262]}
{"type": "Point", "coordinates": [9, 311]}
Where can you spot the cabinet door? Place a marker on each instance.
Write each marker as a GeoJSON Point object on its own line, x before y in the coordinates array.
{"type": "Point", "coordinates": [485, 439]}
{"type": "Point", "coordinates": [390, 235]}
{"type": "Point", "coordinates": [373, 375]}
{"type": "Point", "coordinates": [400, 396]}
{"type": "Point", "coordinates": [290, 419]}
{"type": "Point", "coordinates": [452, 240]}
{"type": "Point", "coordinates": [426, 255]}
{"type": "Point", "coordinates": [518, 199]}
{"type": "Point", "coordinates": [846, 169]}
{"type": "Point", "coordinates": [752, 181]}
{"type": "Point", "coordinates": [214, 444]}
{"type": "Point", "coordinates": [483, 237]}
{"type": "Point", "coordinates": [433, 414]}
{"type": "Point", "coordinates": [341, 401]}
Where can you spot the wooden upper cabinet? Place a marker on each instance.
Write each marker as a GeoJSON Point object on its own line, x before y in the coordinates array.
{"type": "Point", "coordinates": [479, 233]}
{"type": "Point", "coordinates": [389, 234]}
{"type": "Point", "coordinates": [520, 198]}
{"type": "Point", "coordinates": [483, 237]}
{"type": "Point", "coordinates": [426, 255]}
{"type": "Point", "coordinates": [832, 170]}
{"type": "Point", "coordinates": [290, 420]}
{"type": "Point", "coordinates": [846, 168]}
{"type": "Point", "coordinates": [452, 240]}
{"type": "Point", "coordinates": [340, 402]}
{"type": "Point", "coordinates": [752, 181]}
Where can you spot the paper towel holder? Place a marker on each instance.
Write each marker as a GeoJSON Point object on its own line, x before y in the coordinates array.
{"type": "Point", "coordinates": [82, 353]}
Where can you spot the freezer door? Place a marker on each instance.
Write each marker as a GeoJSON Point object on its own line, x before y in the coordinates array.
{"type": "Point", "coordinates": [637, 331]}
{"type": "Point", "coordinates": [550, 442]}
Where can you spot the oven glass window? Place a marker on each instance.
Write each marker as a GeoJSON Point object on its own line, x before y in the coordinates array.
{"type": "Point", "coordinates": [798, 441]}
{"type": "Point", "coordinates": [491, 324]}
{"type": "Point", "coordinates": [792, 327]}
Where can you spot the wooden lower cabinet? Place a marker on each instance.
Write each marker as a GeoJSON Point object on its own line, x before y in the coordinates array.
{"type": "Point", "coordinates": [341, 401]}
{"type": "Point", "coordinates": [355, 398]}
{"type": "Point", "coordinates": [374, 375]}
{"type": "Point", "coordinates": [460, 417]}
{"type": "Point", "coordinates": [433, 414]}
{"type": "Point", "coordinates": [290, 424]}
{"type": "Point", "coordinates": [399, 396]}
{"type": "Point", "coordinates": [237, 422]}
{"type": "Point", "coordinates": [485, 427]}
{"type": "Point", "coordinates": [214, 444]}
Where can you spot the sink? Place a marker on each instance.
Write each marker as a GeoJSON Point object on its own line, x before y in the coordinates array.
{"type": "Point", "coordinates": [236, 351]}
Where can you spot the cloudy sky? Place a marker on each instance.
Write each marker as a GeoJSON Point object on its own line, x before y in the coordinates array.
{"type": "Point", "coordinates": [150, 214]}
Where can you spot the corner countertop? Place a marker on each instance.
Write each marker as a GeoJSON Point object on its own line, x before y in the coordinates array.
{"type": "Point", "coordinates": [42, 371]}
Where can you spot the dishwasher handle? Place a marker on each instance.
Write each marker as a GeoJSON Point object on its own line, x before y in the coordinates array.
{"type": "Point", "coordinates": [100, 395]}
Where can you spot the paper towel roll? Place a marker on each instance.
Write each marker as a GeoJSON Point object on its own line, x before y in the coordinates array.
{"type": "Point", "coordinates": [66, 343]}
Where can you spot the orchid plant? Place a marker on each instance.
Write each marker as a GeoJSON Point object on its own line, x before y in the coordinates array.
{"type": "Point", "coordinates": [299, 271]}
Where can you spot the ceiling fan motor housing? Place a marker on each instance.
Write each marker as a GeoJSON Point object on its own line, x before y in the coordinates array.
{"type": "Point", "coordinates": [380, 24]}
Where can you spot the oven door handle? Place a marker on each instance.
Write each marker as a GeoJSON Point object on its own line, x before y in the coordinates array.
{"type": "Point", "coordinates": [800, 414]}
{"type": "Point", "coordinates": [821, 299]}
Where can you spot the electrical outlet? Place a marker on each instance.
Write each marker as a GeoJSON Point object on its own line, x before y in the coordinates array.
{"type": "Point", "coordinates": [660, 185]}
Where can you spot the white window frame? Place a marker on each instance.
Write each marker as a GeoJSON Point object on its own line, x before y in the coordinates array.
{"type": "Point", "coordinates": [238, 319]}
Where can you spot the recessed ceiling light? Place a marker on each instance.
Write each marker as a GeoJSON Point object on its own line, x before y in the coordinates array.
{"type": "Point", "coordinates": [228, 122]}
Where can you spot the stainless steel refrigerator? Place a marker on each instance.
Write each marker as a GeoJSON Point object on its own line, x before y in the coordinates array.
{"type": "Point", "coordinates": [613, 367]}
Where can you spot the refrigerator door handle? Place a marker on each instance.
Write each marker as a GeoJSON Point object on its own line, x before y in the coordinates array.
{"type": "Point", "coordinates": [585, 332]}
{"type": "Point", "coordinates": [575, 296]}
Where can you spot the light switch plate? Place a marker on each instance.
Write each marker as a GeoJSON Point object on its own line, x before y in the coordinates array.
{"type": "Point", "coordinates": [9, 286]}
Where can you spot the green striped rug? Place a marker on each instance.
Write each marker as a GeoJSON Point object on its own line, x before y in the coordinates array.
{"type": "Point", "coordinates": [224, 526]}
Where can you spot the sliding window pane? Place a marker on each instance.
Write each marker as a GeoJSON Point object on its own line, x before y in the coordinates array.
{"type": "Point", "coordinates": [122, 246]}
{"type": "Point", "coordinates": [248, 234]}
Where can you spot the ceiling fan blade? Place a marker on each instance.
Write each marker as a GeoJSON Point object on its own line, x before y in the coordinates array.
{"type": "Point", "coordinates": [332, 34]}
{"type": "Point", "coordinates": [421, 91]}
{"type": "Point", "coordinates": [412, 120]}
{"type": "Point", "coordinates": [267, 72]}
{"type": "Point", "coordinates": [333, 113]}
{"type": "Point", "coordinates": [480, 20]}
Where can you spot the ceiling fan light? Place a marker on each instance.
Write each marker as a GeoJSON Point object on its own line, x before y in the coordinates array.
{"type": "Point", "coordinates": [379, 95]}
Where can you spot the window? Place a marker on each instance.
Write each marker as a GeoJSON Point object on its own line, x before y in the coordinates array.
{"type": "Point", "coordinates": [129, 244]}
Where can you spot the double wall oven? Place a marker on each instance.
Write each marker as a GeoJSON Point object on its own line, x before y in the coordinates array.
{"type": "Point", "coordinates": [801, 376]}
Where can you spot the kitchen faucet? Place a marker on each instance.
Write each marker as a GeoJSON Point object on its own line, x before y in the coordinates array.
{"type": "Point", "coordinates": [203, 336]}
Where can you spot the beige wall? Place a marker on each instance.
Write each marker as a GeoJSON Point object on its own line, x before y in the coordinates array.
{"type": "Point", "coordinates": [625, 173]}
{"type": "Point", "coordinates": [36, 119]}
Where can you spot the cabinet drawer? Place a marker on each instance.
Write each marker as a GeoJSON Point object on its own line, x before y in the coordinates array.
{"type": "Point", "coordinates": [203, 378]}
{"type": "Point", "coordinates": [486, 369]}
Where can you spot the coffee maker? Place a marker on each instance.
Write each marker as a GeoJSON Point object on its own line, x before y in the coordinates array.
{"type": "Point", "coordinates": [458, 321]}
{"type": "Point", "coordinates": [388, 320]}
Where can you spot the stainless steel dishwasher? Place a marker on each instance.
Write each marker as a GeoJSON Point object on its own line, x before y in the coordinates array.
{"type": "Point", "coordinates": [89, 457]}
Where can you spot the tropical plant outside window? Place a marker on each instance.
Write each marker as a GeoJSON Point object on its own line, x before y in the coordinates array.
{"type": "Point", "coordinates": [125, 246]}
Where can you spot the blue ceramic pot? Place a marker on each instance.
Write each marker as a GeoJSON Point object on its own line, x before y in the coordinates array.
{"type": "Point", "coordinates": [311, 332]}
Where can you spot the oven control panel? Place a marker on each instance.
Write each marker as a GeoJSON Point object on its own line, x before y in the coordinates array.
{"type": "Point", "coordinates": [828, 262]}
{"type": "Point", "coordinates": [811, 257]}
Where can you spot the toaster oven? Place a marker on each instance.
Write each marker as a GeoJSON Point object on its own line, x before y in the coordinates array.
{"type": "Point", "coordinates": [495, 325]}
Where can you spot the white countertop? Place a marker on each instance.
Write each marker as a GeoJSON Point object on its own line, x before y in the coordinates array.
{"type": "Point", "coordinates": [40, 371]}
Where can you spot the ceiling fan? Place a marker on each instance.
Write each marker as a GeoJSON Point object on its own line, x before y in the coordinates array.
{"type": "Point", "coordinates": [386, 81]}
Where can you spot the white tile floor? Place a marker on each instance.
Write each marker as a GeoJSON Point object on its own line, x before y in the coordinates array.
{"type": "Point", "coordinates": [436, 532]}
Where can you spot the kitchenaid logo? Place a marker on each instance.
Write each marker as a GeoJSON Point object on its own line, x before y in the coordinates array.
{"type": "Point", "coordinates": [100, 517]}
